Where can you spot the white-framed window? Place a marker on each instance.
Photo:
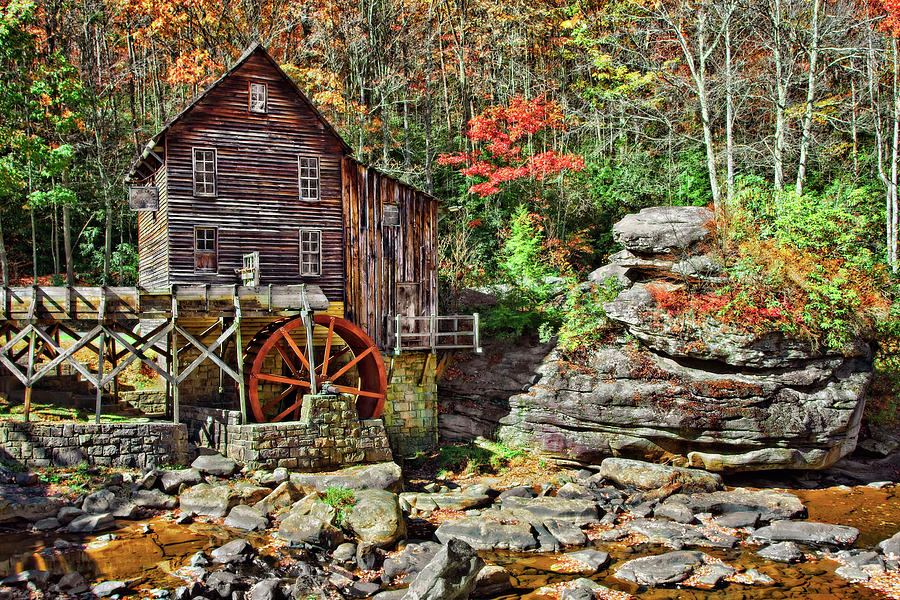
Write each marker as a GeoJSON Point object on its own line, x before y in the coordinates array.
{"type": "Point", "coordinates": [308, 170]}
{"type": "Point", "coordinates": [206, 250]}
{"type": "Point", "coordinates": [310, 252]}
{"type": "Point", "coordinates": [204, 160]}
{"type": "Point", "coordinates": [259, 98]}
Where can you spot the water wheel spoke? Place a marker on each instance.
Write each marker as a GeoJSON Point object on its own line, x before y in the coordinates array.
{"type": "Point", "coordinates": [336, 356]}
{"type": "Point", "coordinates": [287, 337]}
{"type": "Point", "coordinates": [328, 346]}
{"type": "Point", "coordinates": [288, 410]}
{"type": "Point", "coordinates": [289, 361]}
{"type": "Point", "coordinates": [352, 363]}
{"type": "Point", "coordinates": [282, 379]}
{"type": "Point", "coordinates": [278, 399]}
{"type": "Point", "coordinates": [346, 389]}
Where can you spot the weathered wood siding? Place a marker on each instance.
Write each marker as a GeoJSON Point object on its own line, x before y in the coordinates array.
{"type": "Point", "coordinates": [153, 236]}
{"type": "Point", "coordinates": [257, 206]}
{"type": "Point", "coordinates": [380, 257]}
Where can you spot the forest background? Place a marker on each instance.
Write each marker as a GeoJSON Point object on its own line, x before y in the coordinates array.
{"type": "Point", "coordinates": [537, 124]}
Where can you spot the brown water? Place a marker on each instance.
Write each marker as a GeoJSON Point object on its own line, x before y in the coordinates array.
{"type": "Point", "coordinates": [153, 558]}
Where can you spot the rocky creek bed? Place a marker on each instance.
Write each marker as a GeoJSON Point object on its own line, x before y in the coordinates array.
{"type": "Point", "coordinates": [619, 529]}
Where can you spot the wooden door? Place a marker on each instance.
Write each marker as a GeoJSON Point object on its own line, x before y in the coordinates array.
{"type": "Point", "coordinates": [408, 305]}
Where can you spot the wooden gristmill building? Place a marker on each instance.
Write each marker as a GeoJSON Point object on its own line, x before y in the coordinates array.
{"type": "Point", "coordinates": [251, 186]}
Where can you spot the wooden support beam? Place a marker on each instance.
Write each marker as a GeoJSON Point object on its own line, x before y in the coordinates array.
{"type": "Point", "coordinates": [176, 417]}
{"type": "Point", "coordinates": [238, 353]}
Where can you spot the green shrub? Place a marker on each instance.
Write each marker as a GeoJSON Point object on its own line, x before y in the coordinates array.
{"type": "Point", "coordinates": [584, 322]}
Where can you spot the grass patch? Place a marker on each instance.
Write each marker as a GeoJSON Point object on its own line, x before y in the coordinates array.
{"type": "Point", "coordinates": [342, 500]}
{"type": "Point", "coordinates": [480, 458]}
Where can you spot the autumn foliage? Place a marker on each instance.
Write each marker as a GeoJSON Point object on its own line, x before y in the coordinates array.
{"type": "Point", "coordinates": [503, 134]}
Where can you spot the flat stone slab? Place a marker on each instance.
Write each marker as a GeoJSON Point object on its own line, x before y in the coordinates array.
{"type": "Point", "coordinates": [577, 512]}
{"type": "Point", "coordinates": [380, 476]}
{"type": "Point", "coordinates": [651, 476]}
{"type": "Point", "coordinates": [487, 534]}
{"type": "Point", "coordinates": [664, 569]}
{"type": "Point", "coordinates": [678, 535]}
{"type": "Point", "coordinates": [215, 464]}
{"type": "Point", "coordinates": [91, 523]}
{"type": "Point", "coordinates": [210, 500]}
{"type": "Point", "coordinates": [770, 504]}
{"type": "Point", "coordinates": [786, 552]}
{"type": "Point", "coordinates": [808, 532]}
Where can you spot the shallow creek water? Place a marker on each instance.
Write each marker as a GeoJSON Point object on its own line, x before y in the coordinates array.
{"type": "Point", "coordinates": [150, 554]}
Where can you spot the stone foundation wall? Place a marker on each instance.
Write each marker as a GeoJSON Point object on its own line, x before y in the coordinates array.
{"type": "Point", "coordinates": [329, 435]}
{"type": "Point", "coordinates": [129, 445]}
{"type": "Point", "coordinates": [410, 413]}
{"type": "Point", "coordinates": [149, 402]}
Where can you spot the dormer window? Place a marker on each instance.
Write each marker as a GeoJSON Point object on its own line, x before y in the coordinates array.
{"type": "Point", "coordinates": [258, 98]}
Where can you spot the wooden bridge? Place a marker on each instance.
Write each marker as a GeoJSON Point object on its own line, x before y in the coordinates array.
{"type": "Point", "coordinates": [106, 321]}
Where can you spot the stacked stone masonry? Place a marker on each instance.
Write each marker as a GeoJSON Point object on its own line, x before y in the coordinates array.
{"type": "Point", "coordinates": [127, 445]}
{"type": "Point", "coordinates": [330, 436]}
{"type": "Point", "coordinates": [410, 413]}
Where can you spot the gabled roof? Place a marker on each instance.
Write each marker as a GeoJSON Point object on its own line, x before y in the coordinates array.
{"type": "Point", "coordinates": [252, 49]}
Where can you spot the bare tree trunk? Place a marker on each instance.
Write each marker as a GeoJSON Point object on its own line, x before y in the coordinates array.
{"type": "Point", "coordinates": [780, 97]}
{"type": "Point", "coordinates": [895, 156]}
{"type": "Point", "coordinates": [810, 99]}
{"type": "Point", "coordinates": [729, 105]}
{"type": "Point", "coordinates": [879, 150]}
{"type": "Point", "coordinates": [698, 72]}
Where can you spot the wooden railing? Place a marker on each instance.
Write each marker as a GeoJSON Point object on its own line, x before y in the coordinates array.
{"type": "Point", "coordinates": [437, 332]}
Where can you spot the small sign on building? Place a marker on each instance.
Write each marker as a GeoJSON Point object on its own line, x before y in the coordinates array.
{"type": "Point", "coordinates": [143, 198]}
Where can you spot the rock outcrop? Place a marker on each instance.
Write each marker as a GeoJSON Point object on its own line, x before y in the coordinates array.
{"type": "Point", "coordinates": [694, 393]}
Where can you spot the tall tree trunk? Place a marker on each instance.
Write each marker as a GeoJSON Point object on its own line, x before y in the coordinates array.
{"type": "Point", "coordinates": [879, 148]}
{"type": "Point", "coordinates": [895, 157]}
{"type": "Point", "coordinates": [729, 106]}
{"type": "Point", "coordinates": [34, 252]}
{"type": "Point", "coordinates": [67, 245]}
{"type": "Point", "coordinates": [854, 128]}
{"type": "Point", "coordinates": [780, 97]}
{"type": "Point", "coordinates": [810, 99]}
{"type": "Point", "coordinates": [4, 261]}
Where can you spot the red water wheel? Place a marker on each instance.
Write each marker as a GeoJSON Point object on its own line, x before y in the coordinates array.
{"type": "Point", "coordinates": [277, 367]}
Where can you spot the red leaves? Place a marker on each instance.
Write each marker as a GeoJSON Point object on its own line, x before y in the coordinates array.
{"type": "Point", "coordinates": [500, 128]}
{"type": "Point", "coordinates": [891, 11]}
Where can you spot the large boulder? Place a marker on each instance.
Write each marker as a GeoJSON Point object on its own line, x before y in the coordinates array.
{"type": "Point", "coordinates": [215, 464]}
{"type": "Point", "coordinates": [310, 521]}
{"type": "Point", "coordinates": [451, 574]}
{"type": "Point", "coordinates": [209, 500]}
{"type": "Point", "coordinates": [663, 229]}
{"type": "Point", "coordinates": [16, 504]}
{"type": "Point", "coordinates": [376, 518]}
{"type": "Point", "coordinates": [171, 480]}
{"type": "Point", "coordinates": [693, 392]}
